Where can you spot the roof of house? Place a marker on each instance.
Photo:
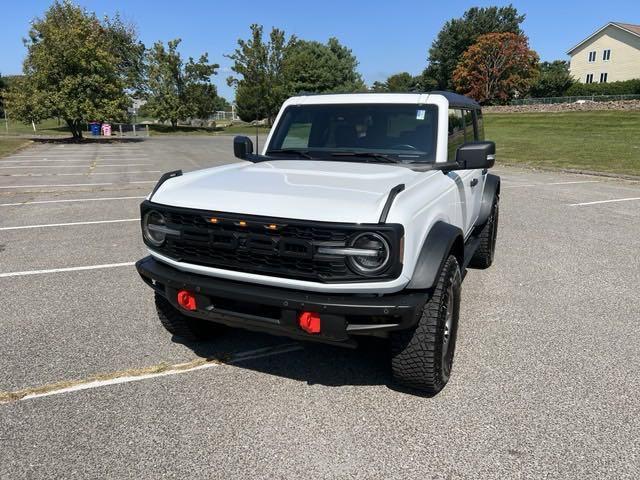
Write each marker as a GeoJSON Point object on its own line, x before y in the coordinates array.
{"type": "Point", "coordinates": [628, 27]}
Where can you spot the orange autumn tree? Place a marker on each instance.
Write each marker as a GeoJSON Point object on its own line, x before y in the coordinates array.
{"type": "Point", "coordinates": [496, 68]}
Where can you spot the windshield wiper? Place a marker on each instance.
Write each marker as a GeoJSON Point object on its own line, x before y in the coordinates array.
{"type": "Point", "coordinates": [381, 157]}
{"type": "Point", "coordinates": [300, 153]}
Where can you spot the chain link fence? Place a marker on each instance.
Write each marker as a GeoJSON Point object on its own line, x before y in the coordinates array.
{"type": "Point", "coordinates": [589, 98]}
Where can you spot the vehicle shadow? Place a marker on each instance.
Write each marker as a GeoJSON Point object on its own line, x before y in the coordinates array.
{"type": "Point", "coordinates": [313, 363]}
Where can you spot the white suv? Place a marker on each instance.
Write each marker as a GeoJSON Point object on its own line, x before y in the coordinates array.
{"type": "Point", "coordinates": [359, 217]}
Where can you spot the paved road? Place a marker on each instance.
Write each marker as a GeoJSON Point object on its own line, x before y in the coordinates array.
{"type": "Point", "coordinates": [545, 383]}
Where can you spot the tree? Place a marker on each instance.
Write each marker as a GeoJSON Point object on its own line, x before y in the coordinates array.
{"type": "Point", "coordinates": [459, 34]}
{"type": "Point", "coordinates": [399, 82]}
{"type": "Point", "coordinates": [496, 68]}
{"type": "Point", "coordinates": [77, 67]}
{"type": "Point", "coordinates": [175, 90]}
{"type": "Point", "coordinates": [3, 86]}
{"type": "Point", "coordinates": [554, 80]}
{"type": "Point", "coordinates": [260, 85]}
{"type": "Point", "coordinates": [311, 66]}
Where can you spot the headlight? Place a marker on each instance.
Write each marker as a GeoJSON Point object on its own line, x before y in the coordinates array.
{"type": "Point", "coordinates": [369, 253]}
{"type": "Point", "coordinates": [154, 227]}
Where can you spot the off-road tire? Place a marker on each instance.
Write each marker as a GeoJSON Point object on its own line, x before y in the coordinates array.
{"type": "Point", "coordinates": [180, 325]}
{"type": "Point", "coordinates": [420, 357]}
{"type": "Point", "coordinates": [483, 256]}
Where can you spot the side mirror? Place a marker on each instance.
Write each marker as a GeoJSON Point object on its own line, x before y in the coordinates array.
{"type": "Point", "coordinates": [242, 147]}
{"type": "Point", "coordinates": [476, 155]}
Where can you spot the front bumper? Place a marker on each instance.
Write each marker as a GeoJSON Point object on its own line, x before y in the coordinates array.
{"type": "Point", "coordinates": [275, 310]}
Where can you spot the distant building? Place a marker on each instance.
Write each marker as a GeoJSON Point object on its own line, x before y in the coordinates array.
{"type": "Point", "coordinates": [610, 54]}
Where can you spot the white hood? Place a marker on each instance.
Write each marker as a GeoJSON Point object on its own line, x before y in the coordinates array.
{"type": "Point", "coordinates": [329, 191]}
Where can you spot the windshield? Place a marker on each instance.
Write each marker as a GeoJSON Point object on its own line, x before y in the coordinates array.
{"type": "Point", "coordinates": [403, 132]}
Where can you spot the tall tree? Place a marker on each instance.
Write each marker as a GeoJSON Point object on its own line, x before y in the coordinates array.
{"type": "Point", "coordinates": [554, 80]}
{"type": "Point", "coordinates": [3, 86]}
{"type": "Point", "coordinates": [496, 68]}
{"type": "Point", "coordinates": [311, 66]}
{"type": "Point", "coordinates": [77, 67]}
{"type": "Point", "coordinates": [459, 34]}
{"type": "Point", "coordinates": [399, 82]}
{"type": "Point", "coordinates": [260, 85]}
{"type": "Point", "coordinates": [176, 90]}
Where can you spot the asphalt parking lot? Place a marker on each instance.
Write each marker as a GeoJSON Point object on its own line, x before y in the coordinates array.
{"type": "Point", "coordinates": [546, 380]}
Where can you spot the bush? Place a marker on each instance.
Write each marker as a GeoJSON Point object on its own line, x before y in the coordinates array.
{"type": "Point", "coordinates": [628, 87]}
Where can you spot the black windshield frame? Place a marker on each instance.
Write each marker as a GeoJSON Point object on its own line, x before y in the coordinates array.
{"type": "Point", "coordinates": [423, 138]}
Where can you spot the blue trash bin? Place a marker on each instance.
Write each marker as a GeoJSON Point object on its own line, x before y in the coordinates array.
{"type": "Point", "coordinates": [95, 128]}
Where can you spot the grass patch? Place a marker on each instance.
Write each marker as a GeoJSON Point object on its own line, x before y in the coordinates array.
{"type": "Point", "coordinates": [46, 127]}
{"type": "Point", "coordinates": [607, 141]}
{"type": "Point", "coordinates": [9, 145]}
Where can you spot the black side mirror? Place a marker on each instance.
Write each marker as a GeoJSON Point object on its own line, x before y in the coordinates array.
{"type": "Point", "coordinates": [475, 155]}
{"type": "Point", "coordinates": [242, 147]}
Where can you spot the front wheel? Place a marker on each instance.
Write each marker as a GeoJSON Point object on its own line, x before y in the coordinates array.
{"type": "Point", "coordinates": [181, 325]}
{"type": "Point", "coordinates": [422, 357]}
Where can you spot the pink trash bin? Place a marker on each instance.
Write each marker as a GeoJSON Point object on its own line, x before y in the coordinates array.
{"type": "Point", "coordinates": [106, 129]}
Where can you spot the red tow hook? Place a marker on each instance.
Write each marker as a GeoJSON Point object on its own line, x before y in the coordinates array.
{"type": "Point", "coordinates": [309, 322]}
{"type": "Point", "coordinates": [187, 300]}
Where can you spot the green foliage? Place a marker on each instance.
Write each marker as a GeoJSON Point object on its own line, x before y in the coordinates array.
{"type": "Point", "coordinates": [260, 87]}
{"type": "Point", "coordinates": [459, 34]}
{"type": "Point", "coordinates": [314, 67]}
{"type": "Point", "coordinates": [78, 67]}
{"type": "Point", "coordinates": [176, 90]}
{"type": "Point", "coordinates": [554, 80]}
{"type": "Point", "coordinates": [269, 72]}
{"type": "Point", "coordinates": [3, 86]}
{"type": "Point", "coordinates": [399, 82]}
{"type": "Point", "coordinates": [627, 87]}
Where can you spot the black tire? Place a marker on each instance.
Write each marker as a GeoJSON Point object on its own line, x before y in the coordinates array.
{"type": "Point", "coordinates": [422, 357]}
{"type": "Point", "coordinates": [180, 325]}
{"type": "Point", "coordinates": [483, 256]}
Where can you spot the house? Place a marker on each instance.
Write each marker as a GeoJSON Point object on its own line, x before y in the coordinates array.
{"type": "Point", "coordinates": [610, 54]}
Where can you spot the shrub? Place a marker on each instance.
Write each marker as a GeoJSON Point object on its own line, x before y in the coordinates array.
{"type": "Point", "coordinates": [628, 87]}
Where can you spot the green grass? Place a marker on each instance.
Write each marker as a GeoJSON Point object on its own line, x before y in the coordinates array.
{"type": "Point", "coordinates": [606, 141]}
{"type": "Point", "coordinates": [46, 127]}
{"type": "Point", "coordinates": [9, 145]}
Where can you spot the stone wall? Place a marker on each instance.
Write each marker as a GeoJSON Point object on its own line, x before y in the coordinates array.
{"type": "Point", "coordinates": [565, 107]}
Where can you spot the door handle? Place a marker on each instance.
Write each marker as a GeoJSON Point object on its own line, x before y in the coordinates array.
{"type": "Point", "coordinates": [474, 182]}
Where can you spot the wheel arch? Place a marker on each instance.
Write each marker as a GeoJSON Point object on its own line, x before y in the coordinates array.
{"type": "Point", "coordinates": [491, 191]}
{"type": "Point", "coordinates": [443, 239]}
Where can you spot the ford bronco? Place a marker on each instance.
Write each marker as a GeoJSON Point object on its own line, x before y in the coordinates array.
{"type": "Point", "coordinates": [359, 217]}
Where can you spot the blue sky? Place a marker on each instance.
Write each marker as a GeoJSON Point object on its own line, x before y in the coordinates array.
{"type": "Point", "coordinates": [386, 36]}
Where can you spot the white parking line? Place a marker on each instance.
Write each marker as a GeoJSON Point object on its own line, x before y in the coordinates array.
{"type": "Point", "coordinates": [552, 183]}
{"type": "Point", "coordinates": [25, 227]}
{"type": "Point", "coordinates": [40, 202]}
{"type": "Point", "coordinates": [75, 166]}
{"type": "Point", "coordinates": [604, 201]}
{"type": "Point", "coordinates": [61, 185]}
{"type": "Point", "coordinates": [81, 155]}
{"type": "Point", "coordinates": [75, 174]}
{"type": "Point", "coordinates": [85, 160]}
{"type": "Point", "coordinates": [65, 269]}
{"type": "Point", "coordinates": [136, 375]}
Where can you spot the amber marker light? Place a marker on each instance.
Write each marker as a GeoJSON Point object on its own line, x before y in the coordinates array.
{"type": "Point", "coordinates": [242, 223]}
{"type": "Point", "coordinates": [272, 226]}
{"type": "Point", "coordinates": [213, 220]}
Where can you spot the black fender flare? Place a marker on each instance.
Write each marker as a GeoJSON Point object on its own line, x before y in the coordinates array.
{"type": "Point", "coordinates": [491, 191]}
{"type": "Point", "coordinates": [442, 239]}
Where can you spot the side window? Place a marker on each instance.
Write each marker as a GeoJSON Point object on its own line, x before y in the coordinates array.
{"type": "Point", "coordinates": [456, 132]}
{"type": "Point", "coordinates": [479, 125]}
{"type": "Point", "coordinates": [469, 133]}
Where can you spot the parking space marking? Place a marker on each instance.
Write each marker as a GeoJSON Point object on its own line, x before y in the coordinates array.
{"type": "Point", "coordinates": [81, 155]}
{"type": "Point", "coordinates": [551, 183]}
{"type": "Point", "coordinates": [71, 224]}
{"type": "Point", "coordinates": [75, 174]}
{"type": "Point", "coordinates": [40, 202]}
{"type": "Point", "coordinates": [66, 269]}
{"type": "Point", "coordinates": [86, 160]}
{"type": "Point", "coordinates": [604, 201]}
{"type": "Point", "coordinates": [146, 373]}
{"type": "Point", "coordinates": [60, 185]}
{"type": "Point", "coordinates": [75, 166]}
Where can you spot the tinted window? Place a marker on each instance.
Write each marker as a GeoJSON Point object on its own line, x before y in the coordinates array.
{"type": "Point", "coordinates": [479, 125]}
{"type": "Point", "coordinates": [408, 131]}
{"type": "Point", "coordinates": [469, 133]}
{"type": "Point", "coordinates": [456, 132]}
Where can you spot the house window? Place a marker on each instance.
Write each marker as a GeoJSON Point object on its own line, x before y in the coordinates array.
{"type": "Point", "coordinates": [606, 55]}
{"type": "Point", "coordinates": [589, 78]}
{"type": "Point", "coordinates": [592, 56]}
{"type": "Point", "coordinates": [603, 78]}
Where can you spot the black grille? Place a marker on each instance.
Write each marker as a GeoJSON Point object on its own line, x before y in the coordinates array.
{"type": "Point", "coordinates": [268, 246]}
